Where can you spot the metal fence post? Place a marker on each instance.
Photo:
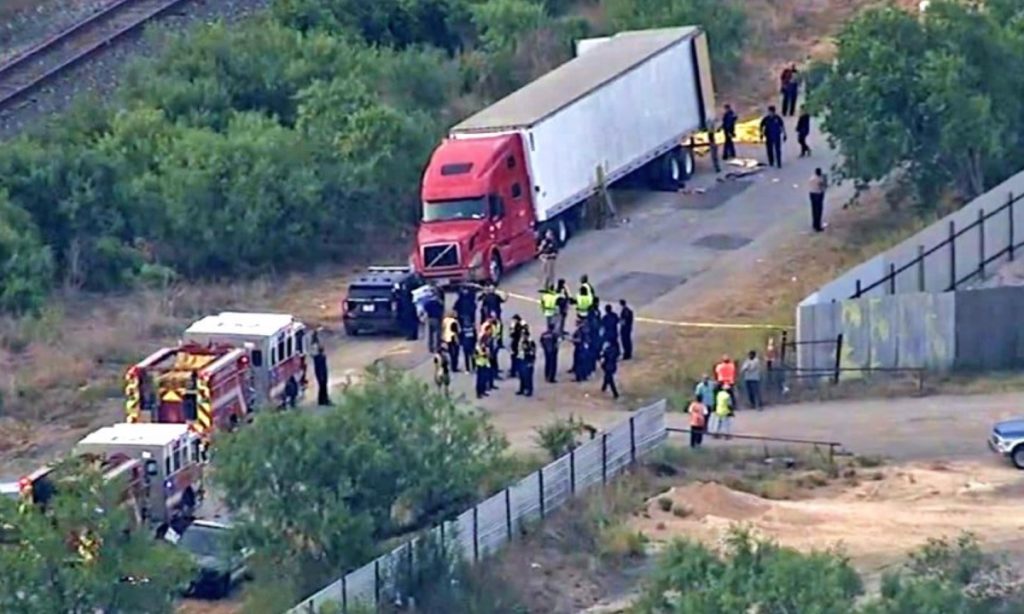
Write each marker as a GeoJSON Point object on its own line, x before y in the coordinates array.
{"type": "Point", "coordinates": [920, 268]}
{"type": "Point", "coordinates": [476, 533]}
{"type": "Point", "coordinates": [604, 458]}
{"type": "Point", "coordinates": [892, 278]}
{"type": "Point", "coordinates": [839, 357]}
{"type": "Point", "coordinates": [540, 488]}
{"type": "Point", "coordinates": [856, 294]}
{"type": "Point", "coordinates": [508, 513]}
{"type": "Point", "coordinates": [376, 582]}
{"type": "Point", "coordinates": [952, 255]}
{"type": "Point", "coordinates": [981, 243]}
{"type": "Point", "coordinates": [344, 594]}
{"type": "Point", "coordinates": [632, 439]}
{"type": "Point", "coordinates": [572, 471]}
{"type": "Point", "coordinates": [782, 350]}
{"type": "Point", "coordinates": [1009, 225]}
{"type": "Point", "coordinates": [411, 562]}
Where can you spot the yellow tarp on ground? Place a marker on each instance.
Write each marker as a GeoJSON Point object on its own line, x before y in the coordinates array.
{"type": "Point", "coordinates": [747, 132]}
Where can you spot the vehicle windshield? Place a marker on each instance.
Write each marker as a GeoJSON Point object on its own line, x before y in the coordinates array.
{"type": "Point", "coordinates": [461, 209]}
{"type": "Point", "coordinates": [204, 541]}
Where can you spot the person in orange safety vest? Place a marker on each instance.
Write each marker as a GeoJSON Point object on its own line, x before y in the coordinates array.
{"type": "Point", "coordinates": [725, 375]}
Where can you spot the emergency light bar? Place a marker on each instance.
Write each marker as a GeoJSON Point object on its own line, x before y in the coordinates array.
{"type": "Point", "coordinates": [389, 269]}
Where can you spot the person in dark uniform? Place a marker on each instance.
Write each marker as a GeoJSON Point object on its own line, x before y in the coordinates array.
{"type": "Point", "coordinates": [626, 329]}
{"type": "Point", "coordinates": [593, 344]}
{"type": "Point", "coordinates": [320, 372]}
{"type": "Point", "coordinates": [773, 133]}
{"type": "Point", "coordinates": [405, 310]}
{"type": "Point", "coordinates": [609, 364]}
{"type": "Point", "coordinates": [803, 129]}
{"type": "Point", "coordinates": [434, 311]}
{"type": "Point", "coordinates": [549, 345]}
{"type": "Point", "coordinates": [562, 303]}
{"type": "Point", "coordinates": [453, 341]}
{"type": "Point", "coordinates": [465, 307]}
{"type": "Point", "coordinates": [291, 392]}
{"type": "Point", "coordinates": [491, 301]}
{"type": "Point", "coordinates": [729, 120]}
{"type": "Point", "coordinates": [610, 326]}
{"type": "Point", "coordinates": [515, 337]}
{"type": "Point", "coordinates": [579, 352]}
{"type": "Point", "coordinates": [527, 363]}
{"type": "Point", "coordinates": [468, 340]}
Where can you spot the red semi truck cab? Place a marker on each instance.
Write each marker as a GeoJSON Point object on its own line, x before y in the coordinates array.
{"type": "Point", "coordinates": [478, 215]}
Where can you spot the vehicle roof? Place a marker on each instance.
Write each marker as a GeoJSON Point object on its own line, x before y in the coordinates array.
{"type": "Point", "coordinates": [141, 434]}
{"type": "Point", "coordinates": [1014, 426]}
{"type": "Point", "coordinates": [382, 278]}
{"type": "Point", "coordinates": [243, 324]}
{"type": "Point", "coordinates": [574, 79]}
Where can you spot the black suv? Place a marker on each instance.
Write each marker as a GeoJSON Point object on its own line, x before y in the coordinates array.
{"type": "Point", "coordinates": [370, 306]}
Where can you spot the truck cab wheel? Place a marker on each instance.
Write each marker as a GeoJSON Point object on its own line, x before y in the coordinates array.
{"type": "Point", "coordinates": [495, 268]}
{"type": "Point", "coordinates": [1017, 456]}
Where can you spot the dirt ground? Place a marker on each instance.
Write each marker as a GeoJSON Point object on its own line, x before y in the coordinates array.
{"type": "Point", "coordinates": [876, 520]}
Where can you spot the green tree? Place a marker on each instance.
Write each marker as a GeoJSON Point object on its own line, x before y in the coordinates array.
{"type": "Point", "coordinates": [26, 265]}
{"type": "Point", "coordinates": [502, 23]}
{"type": "Point", "coordinates": [44, 571]}
{"type": "Point", "coordinates": [314, 493]}
{"type": "Point", "coordinates": [916, 94]}
{"type": "Point", "coordinates": [724, 20]}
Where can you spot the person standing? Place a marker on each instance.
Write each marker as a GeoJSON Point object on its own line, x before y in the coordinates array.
{"type": "Point", "coordinates": [580, 352]}
{"type": "Point", "coordinates": [705, 391]}
{"type": "Point", "coordinates": [773, 133]}
{"type": "Point", "coordinates": [729, 120]}
{"type": "Point", "coordinates": [291, 392]}
{"type": "Point", "coordinates": [442, 370]}
{"type": "Point", "coordinates": [816, 187]}
{"type": "Point", "coordinates": [491, 301]}
{"type": "Point", "coordinates": [549, 345]}
{"type": "Point", "coordinates": [785, 78]}
{"type": "Point", "coordinates": [465, 307]}
{"type": "Point", "coordinates": [526, 366]}
{"type": "Point", "coordinates": [610, 327]}
{"type": "Point", "coordinates": [547, 252]}
{"type": "Point", "coordinates": [469, 347]}
{"type": "Point", "coordinates": [549, 305]}
{"type": "Point", "coordinates": [724, 411]}
{"type": "Point", "coordinates": [725, 375]}
{"type": "Point", "coordinates": [320, 372]}
{"type": "Point", "coordinates": [563, 300]}
{"type": "Point", "coordinates": [793, 91]}
{"type": "Point", "coordinates": [450, 337]}
{"type": "Point", "coordinates": [609, 364]}
{"type": "Point", "coordinates": [698, 419]}
{"type": "Point", "coordinates": [515, 337]}
{"type": "Point", "coordinates": [433, 309]}
{"type": "Point", "coordinates": [750, 370]}
{"type": "Point", "coordinates": [626, 329]}
{"type": "Point", "coordinates": [803, 129]}
{"type": "Point", "coordinates": [483, 364]}
{"type": "Point", "coordinates": [405, 310]}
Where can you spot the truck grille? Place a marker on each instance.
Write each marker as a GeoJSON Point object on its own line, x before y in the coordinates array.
{"type": "Point", "coordinates": [440, 256]}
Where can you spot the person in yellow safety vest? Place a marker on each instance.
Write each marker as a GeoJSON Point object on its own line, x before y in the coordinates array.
{"type": "Point", "coordinates": [450, 336]}
{"type": "Point", "coordinates": [584, 302]}
{"type": "Point", "coordinates": [722, 418]}
{"type": "Point", "coordinates": [494, 347]}
{"type": "Point", "coordinates": [482, 360]}
{"type": "Point", "coordinates": [549, 306]}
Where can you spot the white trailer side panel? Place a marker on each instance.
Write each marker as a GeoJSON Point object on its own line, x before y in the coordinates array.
{"type": "Point", "coordinates": [619, 126]}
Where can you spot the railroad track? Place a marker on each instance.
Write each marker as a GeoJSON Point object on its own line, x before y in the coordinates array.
{"type": "Point", "coordinates": [43, 61]}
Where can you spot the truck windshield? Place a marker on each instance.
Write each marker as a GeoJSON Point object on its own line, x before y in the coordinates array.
{"type": "Point", "coordinates": [461, 209]}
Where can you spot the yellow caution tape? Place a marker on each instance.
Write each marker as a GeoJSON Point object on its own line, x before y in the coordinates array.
{"type": "Point", "coordinates": [714, 325]}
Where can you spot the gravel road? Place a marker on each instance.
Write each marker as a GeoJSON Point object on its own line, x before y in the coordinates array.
{"type": "Point", "coordinates": [101, 73]}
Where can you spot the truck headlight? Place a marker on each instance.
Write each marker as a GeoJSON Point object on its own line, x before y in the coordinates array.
{"type": "Point", "coordinates": [477, 260]}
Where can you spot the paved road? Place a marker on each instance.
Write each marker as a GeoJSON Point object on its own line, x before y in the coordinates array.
{"type": "Point", "coordinates": [667, 250]}
{"type": "Point", "coordinates": [902, 429]}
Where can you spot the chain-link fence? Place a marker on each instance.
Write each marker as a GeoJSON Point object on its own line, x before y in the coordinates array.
{"type": "Point", "coordinates": [490, 524]}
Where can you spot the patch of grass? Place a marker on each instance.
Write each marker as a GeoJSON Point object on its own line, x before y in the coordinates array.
{"type": "Point", "coordinates": [619, 542]}
{"type": "Point", "coordinates": [869, 460]}
{"type": "Point", "coordinates": [682, 511]}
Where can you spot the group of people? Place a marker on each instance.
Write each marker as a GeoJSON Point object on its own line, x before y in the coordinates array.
{"type": "Point", "coordinates": [714, 403]}
{"type": "Point", "coordinates": [600, 338]}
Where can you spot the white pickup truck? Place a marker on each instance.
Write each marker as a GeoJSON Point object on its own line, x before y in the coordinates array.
{"type": "Point", "coordinates": [1008, 440]}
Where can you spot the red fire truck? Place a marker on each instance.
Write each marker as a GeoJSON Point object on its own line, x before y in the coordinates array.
{"type": "Point", "coordinates": [227, 365]}
{"type": "Point", "coordinates": [206, 386]}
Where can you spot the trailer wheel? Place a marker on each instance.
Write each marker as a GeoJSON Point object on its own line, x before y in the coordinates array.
{"type": "Point", "coordinates": [689, 165]}
{"type": "Point", "coordinates": [495, 268]}
{"type": "Point", "coordinates": [562, 231]}
{"type": "Point", "coordinates": [667, 172]}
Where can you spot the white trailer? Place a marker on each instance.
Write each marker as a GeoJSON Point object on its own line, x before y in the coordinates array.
{"type": "Point", "coordinates": [625, 101]}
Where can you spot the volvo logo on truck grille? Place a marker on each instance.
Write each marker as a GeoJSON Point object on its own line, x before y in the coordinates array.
{"type": "Point", "coordinates": [439, 256]}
